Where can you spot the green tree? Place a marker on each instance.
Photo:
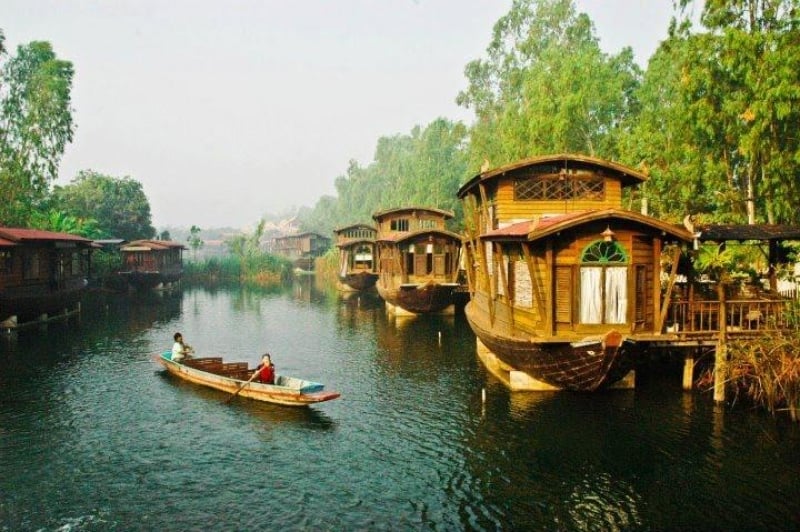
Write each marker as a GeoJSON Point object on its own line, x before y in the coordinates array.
{"type": "Point", "coordinates": [424, 167]}
{"type": "Point", "coordinates": [35, 126]}
{"type": "Point", "coordinates": [195, 242]}
{"type": "Point", "coordinates": [119, 204]}
{"type": "Point", "coordinates": [720, 112]}
{"type": "Point", "coordinates": [546, 87]}
{"type": "Point", "coordinates": [62, 222]}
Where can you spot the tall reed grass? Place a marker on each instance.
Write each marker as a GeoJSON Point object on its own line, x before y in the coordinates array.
{"type": "Point", "coordinates": [766, 369]}
{"type": "Point", "coordinates": [261, 269]}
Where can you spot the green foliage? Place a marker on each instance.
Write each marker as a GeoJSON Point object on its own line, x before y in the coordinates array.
{"type": "Point", "coordinates": [62, 222]}
{"type": "Point", "coordinates": [719, 115]}
{"type": "Point", "coordinates": [35, 126]}
{"type": "Point", "coordinates": [546, 87]}
{"type": "Point", "coordinates": [194, 239]}
{"type": "Point", "coordinates": [767, 371]}
{"type": "Point", "coordinates": [105, 263]}
{"type": "Point", "coordinates": [252, 264]}
{"type": "Point", "coordinates": [256, 269]}
{"type": "Point", "coordinates": [423, 168]}
{"type": "Point", "coordinates": [119, 204]}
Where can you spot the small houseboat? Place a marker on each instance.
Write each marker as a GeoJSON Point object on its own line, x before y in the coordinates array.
{"type": "Point", "coordinates": [148, 264]}
{"type": "Point", "coordinates": [356, 245]}
{"type": "Point", "coordinates": [41, 273]}
{"type": "Point", "coordinates": [565, 283]}
{"type": "Point", "coordinates": [418, 260]}
{"type": "Point", "coordinates": [302, 249]}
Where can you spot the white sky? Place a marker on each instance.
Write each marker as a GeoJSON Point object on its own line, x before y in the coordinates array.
{"type": "Point", "coordinates": [227, 110]}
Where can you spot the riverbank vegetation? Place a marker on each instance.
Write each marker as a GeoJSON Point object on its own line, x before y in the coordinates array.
{"type": "Point", "coordinates": [246, 263]}
{"type": "Point", "coordinates": [766, 371]}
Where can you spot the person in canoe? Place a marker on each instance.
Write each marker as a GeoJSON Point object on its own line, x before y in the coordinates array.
{"type": "Point", "coordinates": [266, 370]}
{"type": "Point", "coordinates": [180, 349]}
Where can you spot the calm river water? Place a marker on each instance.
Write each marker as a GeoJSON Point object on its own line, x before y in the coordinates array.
{"type": "Point", "coordinates": [94, 436]}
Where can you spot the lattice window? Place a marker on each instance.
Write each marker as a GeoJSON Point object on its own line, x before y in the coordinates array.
{"type": "Point", "coordinates": [559, 188]}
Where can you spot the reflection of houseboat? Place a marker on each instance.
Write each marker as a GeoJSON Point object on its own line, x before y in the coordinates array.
{"type": "Point", "coordinates": [418, 259]}
{"type": "Point", "coordinates": [41, 272]}
{"type": "Point", "coordinates": [565, 283]}
{"type": "Point", "coordinates": [356, 245]}
{"type": "Point", "coordinates": [148, 264]}
{"type": "Point", "coordinates": [302, 249]}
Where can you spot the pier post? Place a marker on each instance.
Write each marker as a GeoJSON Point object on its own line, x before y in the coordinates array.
{"type": "Point", "coordinates": [721, 352]}
{"type": "Point", "coordinates": [688, 372]}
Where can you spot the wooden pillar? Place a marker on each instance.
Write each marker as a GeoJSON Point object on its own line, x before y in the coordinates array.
{"type": "Point", "coordinates": [721, 353]}
{"type": "Point", "coordinates": [688, 371]}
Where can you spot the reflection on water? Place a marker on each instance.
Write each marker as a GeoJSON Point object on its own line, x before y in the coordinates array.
{"type": "Point", "coordinates": [92, 432]}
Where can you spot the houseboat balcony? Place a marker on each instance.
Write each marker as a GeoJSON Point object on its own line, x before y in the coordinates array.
{"type": "Point", "coordinates": [698, 320]}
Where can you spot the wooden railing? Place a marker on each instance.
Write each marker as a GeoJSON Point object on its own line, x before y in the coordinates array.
{"type": "Point", "coordinates": [741, 316]}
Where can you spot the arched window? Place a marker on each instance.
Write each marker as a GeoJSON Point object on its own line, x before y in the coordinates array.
{"type": "Point", "coordinates": [604, 283]}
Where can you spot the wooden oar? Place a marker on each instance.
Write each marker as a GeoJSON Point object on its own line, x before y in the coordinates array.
{"type": "Point", "coordinates": [256, 373]}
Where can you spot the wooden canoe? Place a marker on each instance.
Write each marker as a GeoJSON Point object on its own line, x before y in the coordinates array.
{"type": "Point", "coordinates": [228, 377]}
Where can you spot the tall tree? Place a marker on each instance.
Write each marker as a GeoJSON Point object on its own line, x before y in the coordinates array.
{"type": "Point", "coordinates": [195, 242]}
{"type": "Point", "coordinates": [421, 168]}
{"type": "Point", "coordinates": [738, 94]}
{"type": "Point", "coordinates": [35, 126]}
{"type": "Point", "coordinates": [118, 204]}
{"type": "Point", "coordinates": [547, 87]}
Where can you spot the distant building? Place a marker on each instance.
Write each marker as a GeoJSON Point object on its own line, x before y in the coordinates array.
{"type": "Point", "coordinates": [301, 248]}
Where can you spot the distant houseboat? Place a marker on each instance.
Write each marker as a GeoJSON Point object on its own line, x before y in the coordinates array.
{"type": "Point", "coordinates": [357, 268]}
{"type": "Point", "coordinates": [41, 273]}
{"type": "Point", "coordinates": [302, 249]}
{"type": "Point", "coordinates": [148, 264]}
{"type": "Point", "coordinates": [418, 260]}
{"type": "Point", "coordinates": [565, 284]}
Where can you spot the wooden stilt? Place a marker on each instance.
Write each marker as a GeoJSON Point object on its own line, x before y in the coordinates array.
{"type": "Point", "coordinates": [688, 372]}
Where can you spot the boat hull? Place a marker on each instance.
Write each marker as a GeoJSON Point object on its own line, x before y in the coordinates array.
{"type": "Point", "coordinates": [587, 365]}
{"type": "Point", "coordinates": [358, 281]}
{"type": "Point", "coordinates": [419, 298]}
{"type": "Point", "coordinates": [288, 392]}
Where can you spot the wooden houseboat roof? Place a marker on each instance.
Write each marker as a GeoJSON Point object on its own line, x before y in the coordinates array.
{"type": "Point", "coordinates": [441, 212]}
{"type": "Point", "coordinates": [15, 236]}
{"type": "Point", "coordinates": [744, 232]}
{"type": "Point", "coordinates": [301, 235]}
{"type": "Point", "coordinates": [532, 230]}
{"type": "Point", "coordinates": [152, 245]}
{"type": "Point", "coordinates": [400, 237]}
{"type": "Point", "coordinates": [355, 226]}
{"type": "Point", "coordinates": [627, 176]}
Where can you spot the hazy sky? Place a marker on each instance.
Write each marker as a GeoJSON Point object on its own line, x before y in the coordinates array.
{"type": "Point", "coordinates": [225, 111]}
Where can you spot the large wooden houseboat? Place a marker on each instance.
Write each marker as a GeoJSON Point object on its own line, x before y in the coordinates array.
{"type": "Point", "coordinates": [565, 283]}
{"type": "Point", "coordinates": [149, 264]}
{"type": "Point", "coordinates": [357, 268]}
{"type": "Point", "coordinates": [418, 260]}
{"type": "Point", "coordinates": [302, 248]}
{"type": "Point", "coordinates": [41, 273]}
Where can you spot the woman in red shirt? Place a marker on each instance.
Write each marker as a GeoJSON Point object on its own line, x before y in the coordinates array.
{"type": "Point", "coordinates": [266, 369]}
